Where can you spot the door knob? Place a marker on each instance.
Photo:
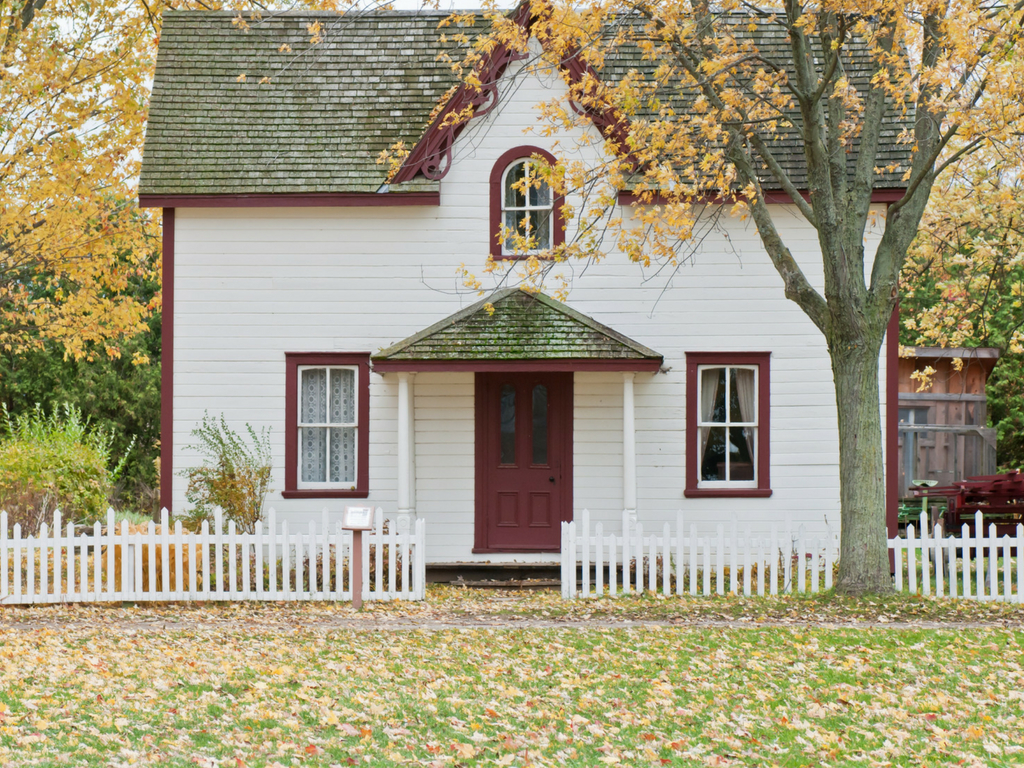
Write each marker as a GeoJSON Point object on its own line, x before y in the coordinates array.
{"type": "Point", "coordinates": [551, 479]}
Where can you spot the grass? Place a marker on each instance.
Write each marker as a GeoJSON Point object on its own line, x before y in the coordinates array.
{"type": "Point", "coordinates": [270, 685]}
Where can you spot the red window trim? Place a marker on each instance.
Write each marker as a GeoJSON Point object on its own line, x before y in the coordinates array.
{"type": "Point", "coordinates": [291, 200]}
{"type": "Point", "coordinates": [503, 162]}
{"type": "Point", "coordinates": [291, 439]}
{"type": "Point", "coordinates": [762, 361]}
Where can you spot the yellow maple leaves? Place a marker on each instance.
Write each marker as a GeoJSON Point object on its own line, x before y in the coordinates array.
{"type": "Point", "coordinates": [73, 96]}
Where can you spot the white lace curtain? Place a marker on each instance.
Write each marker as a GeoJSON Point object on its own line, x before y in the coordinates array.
{"type": "Point", "coordinates": [327, 425]}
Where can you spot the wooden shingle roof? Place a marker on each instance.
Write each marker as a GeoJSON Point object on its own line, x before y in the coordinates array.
{"type": "Point", "coordinates": [512, 325]}
{"type": "Point", "coordinates": [328, 110]}
{"type": "Point", "coordinates": [317, 126]}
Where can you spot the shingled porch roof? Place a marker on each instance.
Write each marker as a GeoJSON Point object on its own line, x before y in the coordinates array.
{"type": "Point", "coordinates": [525, 331]}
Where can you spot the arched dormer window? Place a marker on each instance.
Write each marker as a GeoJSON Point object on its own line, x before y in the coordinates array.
{"type": "Point", "coordinates": [521, 203]}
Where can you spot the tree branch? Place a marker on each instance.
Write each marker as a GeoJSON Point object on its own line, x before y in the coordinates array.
{"type": "Point", "coordinates": [765, 153]}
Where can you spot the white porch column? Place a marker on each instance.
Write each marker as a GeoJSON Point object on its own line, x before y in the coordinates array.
{"type": "Point", "coordinates": [405, 458]}
{"type": "Point", "coordinates": [628, 451]}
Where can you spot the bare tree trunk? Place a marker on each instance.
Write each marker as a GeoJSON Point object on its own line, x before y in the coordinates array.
{"type": "Point", "coordinates": [864, 556]}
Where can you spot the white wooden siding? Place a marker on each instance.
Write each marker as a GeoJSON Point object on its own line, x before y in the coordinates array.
{"type": "Point", "coordinates": [252, 284]}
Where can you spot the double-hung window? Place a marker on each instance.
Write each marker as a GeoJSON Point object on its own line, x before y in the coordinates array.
{"type": "Point", "coordinates": [727, 424]}
{"type": "Point", "coordinates": [326, 445]}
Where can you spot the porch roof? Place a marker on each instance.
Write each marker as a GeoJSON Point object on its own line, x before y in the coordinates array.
{"type": "Point", "coordinates": [515, 329]}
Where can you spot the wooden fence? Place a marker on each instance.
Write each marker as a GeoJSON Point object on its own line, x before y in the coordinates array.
{"type": "Point", "coordinates": [946, 566]}
{"type": "Point", "coordinates": [161, 563]}
{"type": "Point", "coordinates": [787, 560]}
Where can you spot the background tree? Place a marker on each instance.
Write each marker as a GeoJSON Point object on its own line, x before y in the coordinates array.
{"type": "Point", "coordinates": [79, 262]}
{"type": "Point", "coordinates": [963, 283]}
{"type": "Point", "coordinates": [72, 107]}
{"type": "Point", "coordinates": [703, 118]}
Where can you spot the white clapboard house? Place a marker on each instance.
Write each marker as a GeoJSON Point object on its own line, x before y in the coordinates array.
{"type": "Point", "coordinates": [305, 294]}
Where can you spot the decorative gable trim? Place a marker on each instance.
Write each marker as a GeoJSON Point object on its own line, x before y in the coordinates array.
{"type": "Point", "coordinates": [432, 155]}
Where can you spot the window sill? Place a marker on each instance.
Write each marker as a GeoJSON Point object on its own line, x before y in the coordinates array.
{"type": "Point", "coordinates": [324, 493]}
{"type": "Point", "coordinates": [523, 256]}
{"type": "Point", "coordinates": [727, 493]}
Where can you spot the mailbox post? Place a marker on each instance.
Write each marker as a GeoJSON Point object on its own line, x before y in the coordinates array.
{"type": "Point", "coordinates": [357, 520]}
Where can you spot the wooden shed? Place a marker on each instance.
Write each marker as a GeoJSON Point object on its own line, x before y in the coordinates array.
{"type": "Point", "coordinates": [942, 428]}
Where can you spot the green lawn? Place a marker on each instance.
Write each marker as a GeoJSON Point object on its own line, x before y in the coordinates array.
{"type": "Point", "coordinates": [266, 685]}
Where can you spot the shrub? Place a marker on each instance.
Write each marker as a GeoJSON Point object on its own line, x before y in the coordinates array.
{"type": "Point", "coordinates": [54, 462]}
{"type": "Point", "coordinates": [235, 475]}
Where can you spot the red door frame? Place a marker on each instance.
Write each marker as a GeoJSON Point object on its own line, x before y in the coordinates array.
{"type": "Point", "coordinates": [484, 385]}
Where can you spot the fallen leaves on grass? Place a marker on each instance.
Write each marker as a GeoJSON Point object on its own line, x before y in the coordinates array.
{"type": "Point", "coordinates": [239, 693]}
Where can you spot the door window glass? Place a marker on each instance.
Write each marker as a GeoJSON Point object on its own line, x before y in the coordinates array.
{"type": "Point", "coordinates": [540, 424]}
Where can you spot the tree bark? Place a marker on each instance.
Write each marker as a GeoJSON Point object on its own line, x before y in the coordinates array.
{"type": "Point", "coordinates": [864, 552]}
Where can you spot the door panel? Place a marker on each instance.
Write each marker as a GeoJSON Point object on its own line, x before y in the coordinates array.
{"type": "Point", "coordinates": [540, 510]}
{"type": "Point", "coordinates": [524, 460]}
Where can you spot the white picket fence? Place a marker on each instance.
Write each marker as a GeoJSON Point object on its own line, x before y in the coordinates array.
{"type": "Point", "coordinates": [946, 566]}
{"type": "Point", "coordinates": [787, 560]}
{"type": "Point", "coordinates": [161, 564]}
{"type": "Point", "coordinates": [595, 563]}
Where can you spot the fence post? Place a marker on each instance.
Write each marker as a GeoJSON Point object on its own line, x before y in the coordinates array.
{"type": "Point", "coordinates": [97, 562]}
{"type": "Point", "coordinates": [911, 559]}
{"type": "Point", "coordinates": [979, 554]}
{"type": "Point", "coordinates": [993, 556]}
{"type": "Point", "coordinates": [565, 558]}
{"type": "Point", "coordinates": [965, 548]}
{"type": "Point", "coordinates": [109, 540]}
{"type": "Point", "coordinates": [1006, 568]}
{"type": "Point", "coordinates": [58, 551]}
{"type": "Point", "coordinates": [71, 592]}
{"type": "Point", "coordinates": [680, 552]}
{"type": "Point", "coordinates": [165, 561]}
{"type": "Point", "coordinates": [218, 550]}
{"type": "Point", "coordinates": [44, 563]}
{"type": "Point", "coordinates": [204, 542]}
{"type": "Point", "coordinates": [925, 550]}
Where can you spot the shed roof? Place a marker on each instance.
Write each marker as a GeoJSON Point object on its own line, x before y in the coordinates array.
{"type": "Point", "coordinates": [515, 325]}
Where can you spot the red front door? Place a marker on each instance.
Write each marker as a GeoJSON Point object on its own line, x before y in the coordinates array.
{"type": "Point", "coordinates": [523, 460]}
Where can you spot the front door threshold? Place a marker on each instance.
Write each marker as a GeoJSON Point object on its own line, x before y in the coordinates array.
{"type": "Point", "coordinates": [462, 574]}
